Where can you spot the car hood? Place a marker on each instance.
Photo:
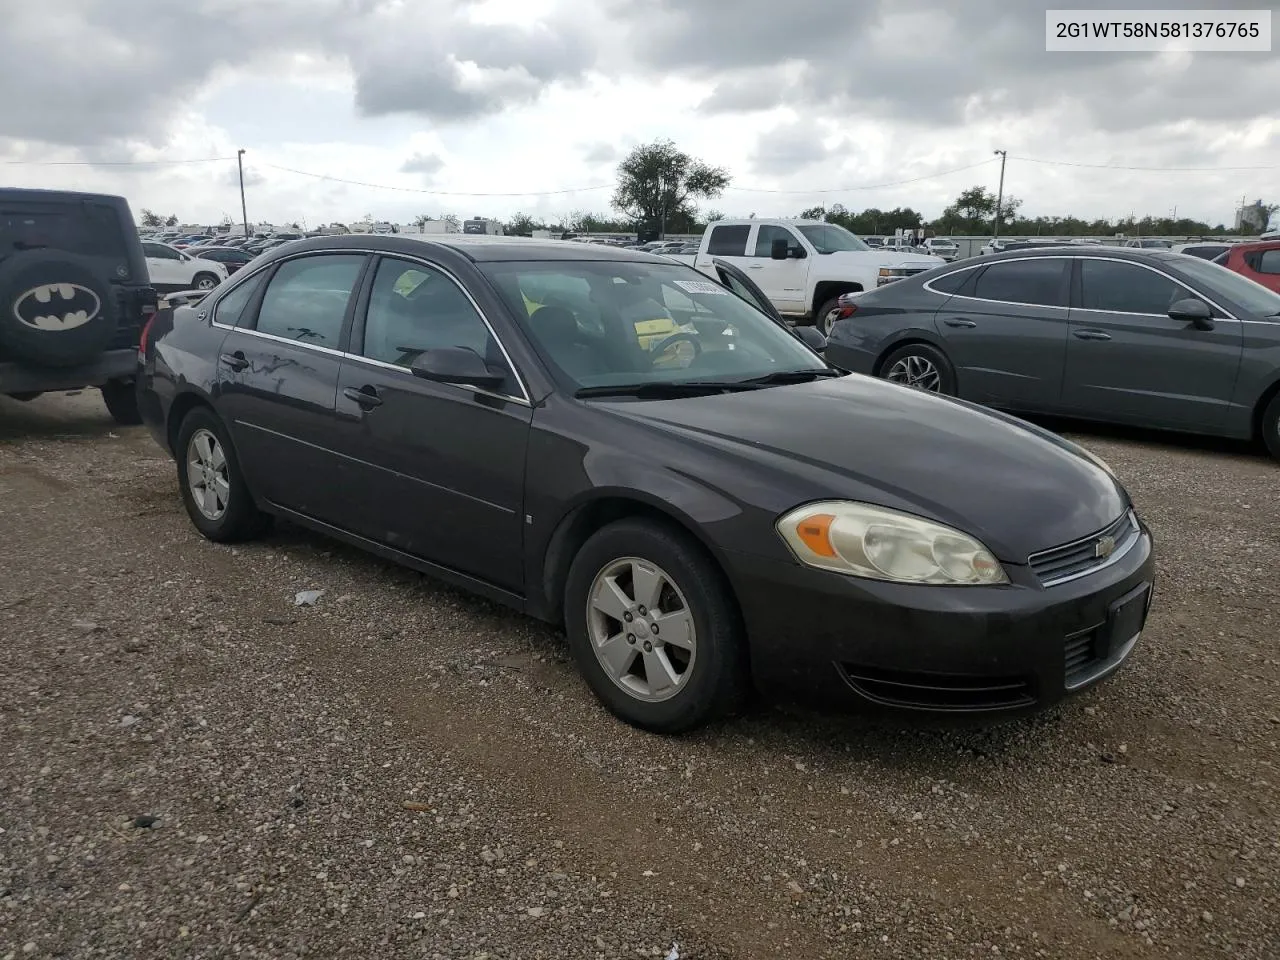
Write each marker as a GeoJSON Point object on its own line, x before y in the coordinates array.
{"type": "Point", "coordinates": [1018, 488]}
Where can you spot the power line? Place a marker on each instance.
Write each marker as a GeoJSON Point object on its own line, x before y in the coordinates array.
{"type": "Point", "coordinates": [109, 163]}
{"type": "Point", "coordinates": [868, 186]}
{"type": "Point", "coordinates": [1112, 166]}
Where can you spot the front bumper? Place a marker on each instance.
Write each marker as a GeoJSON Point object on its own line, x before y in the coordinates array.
{"type": "Point", "coordinates": [17, 377]}
{"type": "Point", "coordinates": [848, 643]}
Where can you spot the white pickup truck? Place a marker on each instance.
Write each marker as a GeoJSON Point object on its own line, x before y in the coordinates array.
{"type": "Point", "coordinates": [803, 266]}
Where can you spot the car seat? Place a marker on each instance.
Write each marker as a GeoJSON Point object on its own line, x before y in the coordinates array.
{"type": "Point", "coordinates": [560, 336]}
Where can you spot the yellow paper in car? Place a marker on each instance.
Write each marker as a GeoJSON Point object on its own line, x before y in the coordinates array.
{"type": "Point", "coordinates": [647, 331]}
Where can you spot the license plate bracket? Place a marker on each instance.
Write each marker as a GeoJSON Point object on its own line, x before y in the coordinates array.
{"type": "Point", "coordinates": [1125, 619]}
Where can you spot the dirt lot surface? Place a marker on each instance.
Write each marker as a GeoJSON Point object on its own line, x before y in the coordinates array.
{"type": "Point", "coordinates": [403, 771]}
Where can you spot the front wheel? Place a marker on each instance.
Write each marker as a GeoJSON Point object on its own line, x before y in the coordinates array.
{"type": "Point", "coordinates": [922, 367]}
{"type": "Point", "coordinates": [826, 316]}
{"type": "Point", "coordinates": [214, 490]}
{"type": "Point", "coordinates": [1271, 426]}
{"type": "Point", "coordinates": [654, 627]}
{"type": "Point", "coordinates": [121, 399]}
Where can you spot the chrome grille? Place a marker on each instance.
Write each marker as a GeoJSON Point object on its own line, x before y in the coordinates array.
{"type": "Point", "coordinates": [1059, 564]}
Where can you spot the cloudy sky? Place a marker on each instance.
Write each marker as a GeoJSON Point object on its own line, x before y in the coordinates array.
{"type": "Point", "coordinates": [492, 106]}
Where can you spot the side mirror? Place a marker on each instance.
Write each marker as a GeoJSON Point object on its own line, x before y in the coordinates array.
{"type": "Point", "coordinates": [455, 365]}
{"type": "Point", "coordinates": [812, 338]}
{"type": "Point", "coordinates": [1196, 312]}
{"type": "Point", "coordinates": [779, 249]}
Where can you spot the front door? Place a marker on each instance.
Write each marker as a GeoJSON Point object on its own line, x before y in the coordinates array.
{"type": "Point", "coordinates": [438, 469]}
{"type": "Point", "coordinates": [783, 281]}
{"type": "Point", "coordinates": [1006, 333]}
{"type": "Point", "coordinates": [278, 376]}
{"type": "Point", "coordinates": [1128, 361]}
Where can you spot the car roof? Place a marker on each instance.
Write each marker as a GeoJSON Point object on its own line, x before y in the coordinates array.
{"type": "Point", "coordinates": [474, 247]}
{"type": "Point", "coordinates": [1252, 245]}
{"type": "Point", "coordinates": [1136, 254]}
{"type": "Point", "coordinates": [37, 195]}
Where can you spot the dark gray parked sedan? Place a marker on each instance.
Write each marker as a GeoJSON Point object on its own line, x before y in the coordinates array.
{"type": "Point", "coordinates": [1142, 337]}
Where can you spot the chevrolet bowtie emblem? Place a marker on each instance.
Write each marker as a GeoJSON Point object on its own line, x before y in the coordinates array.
{"type": "Point", "coordinates": [1104, 547]}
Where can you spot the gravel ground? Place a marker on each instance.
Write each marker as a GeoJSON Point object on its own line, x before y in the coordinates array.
{"type": "Point", "coordinates": [194, 767]}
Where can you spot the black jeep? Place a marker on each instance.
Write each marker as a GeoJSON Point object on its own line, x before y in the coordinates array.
{"type": "Point", "coordinates": [74, 296]}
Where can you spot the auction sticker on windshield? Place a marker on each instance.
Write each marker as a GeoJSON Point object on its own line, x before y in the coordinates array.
{"type": "Point", "coordinates": [699, 286]}
{"type": "Point", "coordinates": [1157, 31]}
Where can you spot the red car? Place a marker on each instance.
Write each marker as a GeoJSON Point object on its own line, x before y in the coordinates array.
{"type": "Point", "coordinates": [1258, 261]}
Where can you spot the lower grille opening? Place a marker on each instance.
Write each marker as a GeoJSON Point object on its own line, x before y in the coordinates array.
{"type": "Point", "coordinates": [1081, 655]}
{"type": "Point", "coordinates": [937, 691]}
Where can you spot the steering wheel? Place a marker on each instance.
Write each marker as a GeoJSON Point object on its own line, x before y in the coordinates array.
{"type": "Point", "coordinates": [656, 350]}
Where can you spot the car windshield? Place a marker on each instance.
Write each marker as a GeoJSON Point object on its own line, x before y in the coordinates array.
{"type": "Point", "coordinates": [1235, 287]}
{"type": "Point", "coordinates": [613, 323]}
{"type": "Point", "coordinates": [830, 238]}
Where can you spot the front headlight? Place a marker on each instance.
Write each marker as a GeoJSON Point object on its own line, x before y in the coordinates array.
{"type": "Point", "coordinates": [869, 541]}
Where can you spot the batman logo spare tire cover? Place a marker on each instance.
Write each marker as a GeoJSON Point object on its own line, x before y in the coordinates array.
{"type": "Point", "coordinates": [56, 310]}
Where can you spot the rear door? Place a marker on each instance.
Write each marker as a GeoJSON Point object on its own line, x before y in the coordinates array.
{"type": "Point", "coordinates": [278, 375]}
{"type": "Point", "coordinates": [437, 469]}
{"type": "Point", "coordinates": [1264, 267]}
{"type": "Point", "coordinates": [1005, 332]}
{"type": "Point", "coordinates": [727, 241]}
{"type": "Point", "coordinates": [1128, 361]}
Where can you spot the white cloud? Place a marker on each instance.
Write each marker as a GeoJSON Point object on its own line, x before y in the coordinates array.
{"type": "Point", "coordinates": [485, 99]}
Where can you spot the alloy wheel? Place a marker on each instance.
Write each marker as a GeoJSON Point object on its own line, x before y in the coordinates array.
{"type": "Point", "coordinates": [207, 476]}
{"type": "Point", "coordinates": [916, 371]}
{"type": "Point", "coordinates": [641, 629]}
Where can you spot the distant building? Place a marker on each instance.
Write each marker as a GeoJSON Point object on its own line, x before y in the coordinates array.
{"type": "Point", "coordinates": [482, 225]}
{"type": "Point", "coordinates": [1251, 216]}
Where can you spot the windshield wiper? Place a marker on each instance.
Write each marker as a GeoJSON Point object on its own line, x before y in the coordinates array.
{"type": "Point", "coordinates": [791, 376]}
{"type": "Point", "coordinates": [666, 388]}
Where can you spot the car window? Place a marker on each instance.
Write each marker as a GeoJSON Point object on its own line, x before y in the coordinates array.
{"type": "Point", "coordinates": [230, 309]}
{"type": "Point", "coordinates": [1037, 282]}
{"type": "Point", "coordinates": [413, 308]}
{"type": "Point", "coordinates": [831, 238]}
{"type": "Point", "coordinates": [769, 232]}
{"type": "Point", "coordinates": [306, 299]}
{"type": "Point", "coordinates": [952, 282]}
{"type": "Point", "coordinates": [1220, 281]}
{"type": "Point", "coordinates": [159, 251]}
{"type": "Point", "coordinates": [1126, 288]}
{"type": "Point", "coordinates": [87, 229]}
{"type": "Point", "coordinates": [736, 285]}
{"type": "Point", "coordinates": [1269, 262]}
{"type": "Point", "coordinates": [625, 332]}
{"type": "Point", "coordinates": [728, 241]}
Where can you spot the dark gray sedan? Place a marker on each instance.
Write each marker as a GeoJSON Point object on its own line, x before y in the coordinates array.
{"type": "Point", "coordinates": [1142, 337]}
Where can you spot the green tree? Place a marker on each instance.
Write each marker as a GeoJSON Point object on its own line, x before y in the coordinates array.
{"type": "Point", "coordinates": [171, 220]}
{"type": "Point", "coordinates": [151, 219]}
{"type": "Point", "coordinates": [523, 225]}
{"type": "Point", "coordinates": [422, 219]}
{"type": "Point", "coordinates": [451, 219]}
{"type": "Point", "coordinates": [657, 184]}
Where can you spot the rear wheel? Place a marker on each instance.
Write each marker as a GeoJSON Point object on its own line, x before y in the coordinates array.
{"type": "Point", "coordinates": [121, 398]}
{"type": "Point", "coordinates": [654, 627]}
{"type": "Point", "coordinates": [921, 366]}
{"type": "Point", "coordinates": [204, 281]}
{"type": "Point", "coordinates": [1271, 426]}
{"type": "Point", "coordinates": [214, 490]}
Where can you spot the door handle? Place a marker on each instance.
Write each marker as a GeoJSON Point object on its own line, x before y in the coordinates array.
{"type": "Point", "coordinates": [957, 322]}
{"type": "Point", "coordinates": [756, 266]}
{"type": "Point", "coordinates": [1090, 335]}
{"type": "Point", "coordinates": [235, 361]}
{"type": "Point", "coordinates": [368, 397]}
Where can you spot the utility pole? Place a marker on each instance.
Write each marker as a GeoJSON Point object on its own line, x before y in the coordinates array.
{"type": "Point", "coordinates": [999, 195]}
{"type": "Point", "coordinates": [244, 211]}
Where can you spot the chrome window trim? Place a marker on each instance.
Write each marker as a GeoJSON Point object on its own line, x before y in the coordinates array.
{"type": "Point", "coordinates": [523, 400]}
{"type": "Point", "coordinates": [950, 273]}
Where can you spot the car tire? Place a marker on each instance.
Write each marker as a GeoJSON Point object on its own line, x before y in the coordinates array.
{"type": "Point", "coordinates": [822, 320]}
{"type": "Point", "coordinates": [232, 515]}
{"type": "Point", "coordinates": [921, 366]}
{"type": "Point", "coordinates": [204, 281]}
{"type": "Point", "coordinates": [1271, 426]}
{"type": "Point", "coordinates": [705, 674]}
{"type": "Point", "coordinates": [121, 399]}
